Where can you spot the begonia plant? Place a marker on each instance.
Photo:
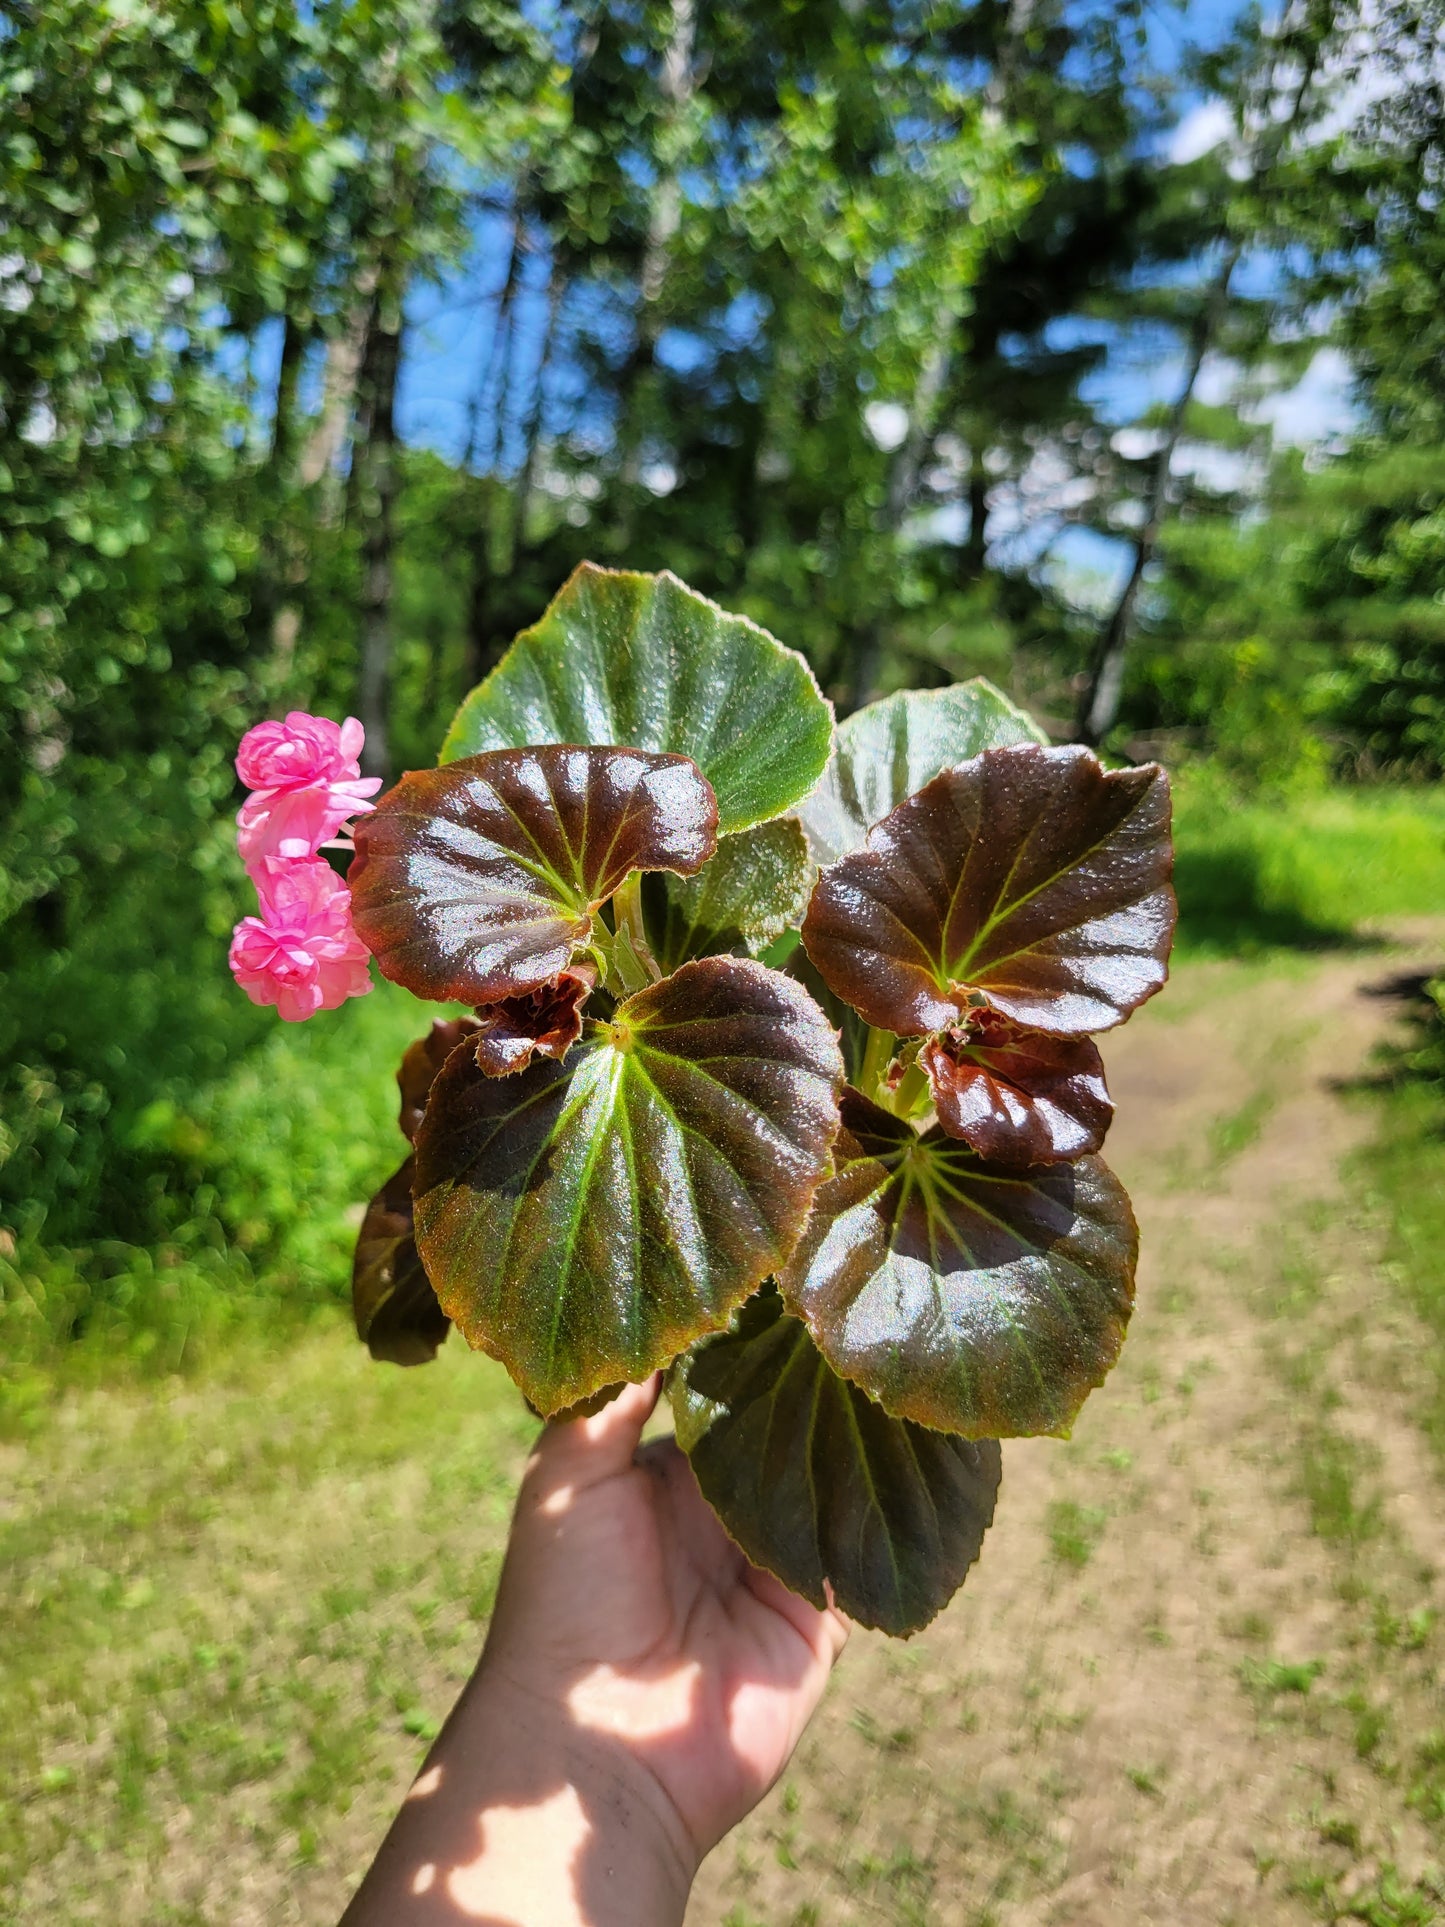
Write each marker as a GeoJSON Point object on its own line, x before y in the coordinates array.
{"type": "Point", "coordinates": [766, 1061]}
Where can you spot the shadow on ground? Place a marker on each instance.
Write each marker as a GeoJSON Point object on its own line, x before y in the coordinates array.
{"type": "Point", "coordinates": [1228, 909]}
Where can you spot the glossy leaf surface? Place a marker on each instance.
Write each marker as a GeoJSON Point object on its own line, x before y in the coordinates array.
{"type": "Point", "coordinates": [1017, 1096]}
{"type": "Point", "coordinates": [583, 1222]}
{"type": "Point", "coordinates": [1029, 879]}
{"type": "Point", "coordinates": [890, 749]}
{"type": "Point", "coordinates": [545, 1022]}
{"type": "Point", "coordinates": [476, 881]}
{"type": "Point", "coordinates": [753, 888]}
{"type": "Point", "coordinates": [643, 661]}
{"type": "Point", "coordinates": [392, 1300]}
{"type": "Point", "coordinates": [818, 1485]}
{"type": "Point", "coordinates": [966, 1296]}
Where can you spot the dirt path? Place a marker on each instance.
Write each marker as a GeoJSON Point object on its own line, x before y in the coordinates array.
{"type": "Point", "coordinates": [1189, 1679]}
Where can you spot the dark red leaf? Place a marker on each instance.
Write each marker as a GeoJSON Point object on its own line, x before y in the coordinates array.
{"type": "Point", "coordinates": [818, 1485]}
{"type": "Point", "coordinates": [1017, 1096]}
{"type": "Point", "coordinates": [395, 1308]}
{"type": "Point", "coordinates": [541, 1023]}
{"type": "Point", "coordinates": [583, 1221]}
{"type": "Point", "coordinates": [420, 1064]}
{"type": "Point", "coordinates": [969, 1297]}
{"type": "Point", "coordinates": [1030, 879]}
{"type": "Point", "coordinates": [477, 881]}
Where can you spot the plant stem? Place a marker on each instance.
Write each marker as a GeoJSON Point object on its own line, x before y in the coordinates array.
{"type": "Point", "coordinates": [627, 911]}
{"type": "Point", "coordinates": [877, 1053]}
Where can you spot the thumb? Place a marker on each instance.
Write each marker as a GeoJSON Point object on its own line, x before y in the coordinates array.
{"type": "Point", "coordinates": [583, 1451]}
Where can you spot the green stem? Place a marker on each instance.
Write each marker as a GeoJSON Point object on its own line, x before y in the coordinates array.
{"type": "Point", "coordinates": [627, 914]}
{"type": "Point", "coordinates": [877, 1054]}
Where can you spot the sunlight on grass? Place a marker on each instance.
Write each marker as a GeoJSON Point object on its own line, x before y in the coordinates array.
{"type": "Point", "coordinates": [1257, 875]}
{"type": "Point", "coordinates": [250, 1603]}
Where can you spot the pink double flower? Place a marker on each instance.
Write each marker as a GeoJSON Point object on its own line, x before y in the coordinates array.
{"type": "Point", "coordinates": [301, 953]}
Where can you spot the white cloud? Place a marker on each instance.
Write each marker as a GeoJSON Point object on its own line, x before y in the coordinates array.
{"type": "Point", "coordinates": [1201, 129]}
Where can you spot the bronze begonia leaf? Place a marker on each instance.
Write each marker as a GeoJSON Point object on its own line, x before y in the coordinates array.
{"type": "Point", "coordinates": [1030, 879]}
{"type": "Point", "coordinates": [1017, 1096]}
{"type": "Point", "coordinates": [395, 1308]}
{"type": "Point", "coordinates": [818, 1485]}
{"type": "Point", "coordinates": [419, 1065]}
{"type": "Point", "coordinates": [584, 1221]}
{"type": "Point", "coordinates": [970, 1297]}
{"type": "Point", "coordinates": [545, 1022]}
{"type": "Point", "coordinates": [477, 881]}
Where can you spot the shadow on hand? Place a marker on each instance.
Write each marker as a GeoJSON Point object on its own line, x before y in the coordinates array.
{"type": "Point", "coordinates": [641, 1687]}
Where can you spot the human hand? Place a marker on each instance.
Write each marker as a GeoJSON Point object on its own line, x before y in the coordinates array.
{"type": "Point", "coordinates": [641, 1688]}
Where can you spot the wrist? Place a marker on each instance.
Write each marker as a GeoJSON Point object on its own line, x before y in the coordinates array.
{"type": "Point", "coordinates": [574, 1830]}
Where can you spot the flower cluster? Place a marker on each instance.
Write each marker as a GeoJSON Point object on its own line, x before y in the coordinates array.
{"type": "Point", "coordinates": [301, 953]}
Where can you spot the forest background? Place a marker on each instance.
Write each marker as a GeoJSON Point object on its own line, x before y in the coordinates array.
{"type": "Point", "coordinates": [1094, 348]}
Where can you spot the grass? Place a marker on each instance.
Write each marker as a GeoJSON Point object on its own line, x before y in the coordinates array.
{"type": "Point", "coordinates": [1403, 1175]}
{"type": "Point", "coordinates": [243, 1569]}
{"type": "Point", "coordinates": [1302, 873]}
{"type": "Point", "coordinates": [1074, 1530]}
{"type": "Point", "coordinates": [248, 1603]}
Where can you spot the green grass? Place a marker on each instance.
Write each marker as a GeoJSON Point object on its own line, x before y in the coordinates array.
{"type": "Point", "coordinates": [1074, 1530]}
{"type": "Point", "coordinates": [250, 1602]}
{"type": "Point", "coordinates": [265, 1172]}
{"type": "Point", "coordinates": [1302, 872]}
{"type": "Point", "coordinates": [1402, 1174]}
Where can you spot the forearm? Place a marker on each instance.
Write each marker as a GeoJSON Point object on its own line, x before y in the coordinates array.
{"type": "Point", "coordinates": [522, 1819]}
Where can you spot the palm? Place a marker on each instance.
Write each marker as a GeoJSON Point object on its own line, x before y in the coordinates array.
{"type": "Point", "coordinates": [622, 1586]}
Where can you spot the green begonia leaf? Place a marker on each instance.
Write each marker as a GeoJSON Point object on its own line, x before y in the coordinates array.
{"type": "Point", "coordinates": [584, 1221]}
{"type": "Point", "coordinates": [818, 1485]}
{"type": "Point", "coordinates": [750, 891]}
{"type": "Point", "coordinates": [891, 748]}
{"type": "Point", "coordinates": [642, 660]}
{"type": "Point", "coordinates": [1032, 880]}
{"type": "Point", "coordinates": [477, 881]}
{"type": "Point", "coordinates": [970, 1297]}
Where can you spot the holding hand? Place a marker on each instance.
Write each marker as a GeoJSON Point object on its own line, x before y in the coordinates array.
{"type": "Point", "coordinates": [641, 1688]}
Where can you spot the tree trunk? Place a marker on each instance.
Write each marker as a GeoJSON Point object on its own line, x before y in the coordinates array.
{"type": "Point", "coordinates": [283, 420]}
{"type": "Point", "coordinates": [1104, 685]}
{"type": "Point", "coordinates": [973, 557]}
{"type": "Point", "coordinates": [865, 650]}
{"type": "Point", "coordinates": [638, 380]}
{"type": "Point", "coordinates": [378, 473]}
{"type": "Point", "coordinates": [345, 355]}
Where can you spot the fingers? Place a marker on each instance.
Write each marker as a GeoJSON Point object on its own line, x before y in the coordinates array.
{"type": "Point", "coordinates": [584, 1451]}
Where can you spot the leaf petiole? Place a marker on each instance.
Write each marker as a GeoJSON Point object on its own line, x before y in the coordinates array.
{"type": "Point", "coordinates": [873, 1071]}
